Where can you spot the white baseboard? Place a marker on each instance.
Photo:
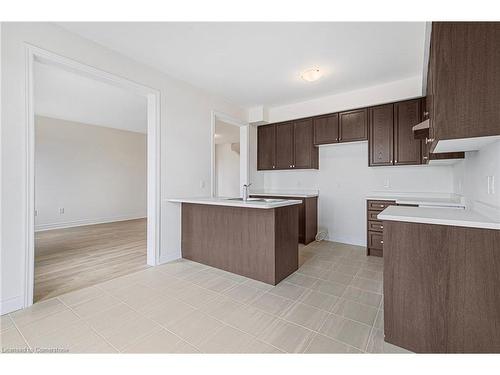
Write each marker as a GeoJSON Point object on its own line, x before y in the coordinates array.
{"type": "Point", "coordinates": [349, 241]}
{"type": "Point", "coordinates": [9, 305]}
{"type": "Point", "coordinates": [82, 222]}
{"type": "Point", "coordinates": [169, 257]}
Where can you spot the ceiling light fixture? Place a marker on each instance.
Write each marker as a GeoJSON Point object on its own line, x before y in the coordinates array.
{"type": "Point", "coordinates": [311, 75]}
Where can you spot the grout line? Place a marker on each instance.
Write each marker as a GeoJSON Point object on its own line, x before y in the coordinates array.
{"type": "Point", "coordinates": [20, 333]}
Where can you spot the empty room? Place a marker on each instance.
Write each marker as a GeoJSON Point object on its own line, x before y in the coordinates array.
{"type": "Point", "coordinates": [282, 187]}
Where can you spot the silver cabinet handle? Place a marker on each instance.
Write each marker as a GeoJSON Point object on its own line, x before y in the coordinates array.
{"type": "Point", "coordinates": [425, 157]}
{"type": "Point", "coordinates": [381, 227]}
{"type": "Point", "coordinates": [429, 140]}
{"type": "Point", "coordinates": [381, 241]}
{"type": "Point", "coordinates": [426, 113]}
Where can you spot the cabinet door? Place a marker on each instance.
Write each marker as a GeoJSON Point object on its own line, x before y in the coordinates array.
{"type": "Point", "coordinates": [353, 125]}
{"type": "Point", "coordinates": [407, 149]}
{"type": "Point", "coordinates": [380, 144]}
{"type": "Point", "coordinates": [266, 147]}
{"type": "Point", "coordinates": [284, 145]}
{"type": "Point", "coordinates": [305, 154]}
{"type": "Point", "coordinates": [326, 129]}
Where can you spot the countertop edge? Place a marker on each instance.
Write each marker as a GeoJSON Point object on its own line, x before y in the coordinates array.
{"type": "Point", "coordinates": [235, 204]}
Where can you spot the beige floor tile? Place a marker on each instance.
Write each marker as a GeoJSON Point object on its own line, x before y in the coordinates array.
{"type": "Point", "coordinates": [355, 311]}
{"type": "Point", "coordinates": [195, 327]}
{"type": "Point", "coordinates": [272, 303]}
{"type": "Point", "coordinates": [288, 290]}
{"type": "Point", "coordinates": [221, 307]}
{"type": "Point", "coordinates": [258, 284]}
{"type": "Point", "coordinates": [183, 347]}
{"type": "Point", "coordinates": [347, 331]}
{"type": "Point", "coordinates": [220, 284]}
{"type": "Point", "coordinates": [379, 321]}
{"type": "Point", "coordinates": [311, 271]}
{"type": "Point", "coordinates": [5, 323]}
{"type": "Point", "coordinates": [229, 275]}
{"type": "Point", "coordinates": [306, 316]}
{"type": "Point", "coordinates": [249, 319]}
{"type": "Point", "coordinates": [37, 311]}
{"type": "Point", "coordinates": [319, 300]}
{"type": "Point", "coordinates": [166, 311]}
{"type": "Point", "coordinates": [320, 263]}
{"type": "Point", "coordinates": [181, 269]}
{"type": "Point", "coordinates": [330, 287]}
{"type": "Point", "coordinates": [11, 341]}
{"type": "Point", "coordinates": [372, 275]}
{"type": "Point", "coordinates": [202, 277]}
{"type": "Point", "coordinates": [347, 269]}
{"type": "Point", "coordinates": [82, 295]}
{"type": "Point", "coordinates": [244, 293]}
{"type": "Point", "coordinates": [48, 324]}
{"type": "Point", "coordinates": [159, 341]}
{"type": "Point", "coordinates": [120, 325]}
{"type": "Point", "coordinates": [196, 296]}
{"type": "Point", "coordinates": [136, 295]}
{"type": "Point", "coordinates": [339, 277]}
{"type": "Point", "coordinates": [368, 285]}
{"type": "Point", "coordinates": [260, 347]}
{"type": "Point", "coordinates": [118, 283]}
{"type": "Point", "coordinates": [286, 336]}
{"type": "Point", "coordinates": [374, 267]}
{"type": "Point", "coordinates": [301, 280]}
{"type": "Point", "coordinates": [227, 340]}
{"type": "Point", "coordinates": [362, 296]}
{"type": "Point", "coordinates": [349, 262]}
{"type": "Point", "coordinates": [377, 344]}
{"type": "Point", "coordinates": [77, 337]}
{"type": "Point", "coordinates": [324, 344]}
{"type": "Point", "coordinates": [158, 280]}
{"type": "Point", "coordinates": [334, 258]}
{"type": "Point", "coordinates": [95, 305]}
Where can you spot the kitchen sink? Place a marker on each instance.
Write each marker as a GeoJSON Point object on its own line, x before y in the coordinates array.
{"type": "Point", "coordinates": [266, 200]}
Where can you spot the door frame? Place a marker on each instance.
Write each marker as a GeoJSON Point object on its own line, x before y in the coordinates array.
{"type": "Point", "coordinates": [36, 54]}
{"type": "Point", "coordinates": [244, 149]}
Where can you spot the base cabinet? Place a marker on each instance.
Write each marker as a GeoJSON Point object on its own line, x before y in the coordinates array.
{"type": "Point", "coordinates": [375, 227]}
{"type": "Point", "coordinates": [441, 288]}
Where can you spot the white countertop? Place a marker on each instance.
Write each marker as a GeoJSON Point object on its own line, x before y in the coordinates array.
{"type": "Point", "coordinates": [286, 193]}
{"type": "Point", "coordinates": [234, 203]}
{"type": "Point", "coordinates": [443, 216]}
{"type": "Point", "coordinates": [420, 199]}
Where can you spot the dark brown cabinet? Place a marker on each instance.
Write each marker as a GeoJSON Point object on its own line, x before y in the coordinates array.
{"type": "Point", "coordinates": [287, 145]}
{"type": "Point", "coordinates": [305, 154]}
{"type": "Point", "coordinates": [381, 132]}
{"type": "Point", "coordinates": [464, 80]}
{"type": "Point", "coordinates": [407, 149]}
{"type": "Point", "coordinates": [284, 145]}
{"type": "Point", "coordinates": [375, 227]}
{"type": "Point", "coordinates": [308, 216]}
{"type": "Point", "coordinates": [266, 147]}
{"type": "Point", "coordinates": [326, 129]}
{"type": "Point", "coordinates": [353, 125]}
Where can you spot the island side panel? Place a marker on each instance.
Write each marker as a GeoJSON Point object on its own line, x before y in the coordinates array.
{"type": "Point", "coordinates": [235, 239]}
{"type": "Point", "coordinates": [287, 247]}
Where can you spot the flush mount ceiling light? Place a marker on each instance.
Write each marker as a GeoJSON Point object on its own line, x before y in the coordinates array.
{"type": "Point", "coordinates": [311, 75]}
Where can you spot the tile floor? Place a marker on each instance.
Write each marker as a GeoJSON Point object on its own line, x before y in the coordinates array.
{"type": "Point", "coordinates": [332, 304]}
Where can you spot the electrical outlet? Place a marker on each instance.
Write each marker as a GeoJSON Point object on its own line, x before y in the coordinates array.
{"type": "Point", "coordinates": [491, 184]}
{"type": "Point", "coordinates": [36, 212]}
{"type": "Point", "coordinates": [61, 210]}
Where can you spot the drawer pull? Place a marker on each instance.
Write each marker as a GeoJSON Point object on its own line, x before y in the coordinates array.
{"type": "Point", "coordinates": [381, 241]}
{"type": "Point", "coordinates": [381, 205]}
{"type": "Point", "coordinates": [381, 227]}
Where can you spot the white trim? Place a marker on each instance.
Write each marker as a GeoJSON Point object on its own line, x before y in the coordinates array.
{"type": "Point", "coordinates": [33, 54]}
{"type": "Point", "coordinates": [244, 148]}
{"type": "Point", "coordinates": [9, 305]}
{"type": "Point", "coordinates": [84, 222]}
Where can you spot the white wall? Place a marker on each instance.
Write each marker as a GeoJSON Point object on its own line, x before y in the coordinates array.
{"type": "Point", "coordinates": [185, 139]}
{"type": "Point", "coordinates": [344, 178]}
{"type": "Point", "coordinates": [97, 174]}
{"type": "Point", "coordinates": [471, 178]}
{"type": "Point", "coordinates": [227, 169]}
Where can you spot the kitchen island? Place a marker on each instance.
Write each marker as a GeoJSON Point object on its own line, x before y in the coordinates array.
{"type": "Point", "coordinates": [257, 238]}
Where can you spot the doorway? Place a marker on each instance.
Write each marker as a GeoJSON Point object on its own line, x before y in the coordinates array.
{"type": "Point", "coordinates": [151, 98]}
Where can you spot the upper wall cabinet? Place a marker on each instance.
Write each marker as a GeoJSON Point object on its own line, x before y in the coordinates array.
{"type": "Point", "coordinates": [381, 131]}
{"type": "Point", "coordinates": [326, 129]}
{"type": "Point", "coordinates": [287, 145]}
{"type": "Point", "coordinates": [407, 149]}
{"type": "Point", "coordinates": [463, 82]}
{"type": "Point", "coordinates": [266, 147]}
{"type": "Point", "coordinates": [353, 125]}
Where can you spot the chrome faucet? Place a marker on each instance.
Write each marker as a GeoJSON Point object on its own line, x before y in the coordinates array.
{"type": "Point", "coordinates": [245, 191]}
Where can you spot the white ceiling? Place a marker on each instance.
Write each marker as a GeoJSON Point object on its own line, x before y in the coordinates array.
{"type": "Point", "coordinates": [69, 96]}
{"type": "Point", "coordinates": [226, 133]}
{"type": "Point", "coordinates": [260, 63]}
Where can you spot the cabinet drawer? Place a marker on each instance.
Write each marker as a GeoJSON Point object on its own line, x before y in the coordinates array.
{"type": "Point", "coordinates": [372, 215]}
{"type": "Point", "coordinates": [379, 205]}
{"type": "Point", "coordinates": [375, 240]}
{"type": "Point", "coordinates": [375, 226]}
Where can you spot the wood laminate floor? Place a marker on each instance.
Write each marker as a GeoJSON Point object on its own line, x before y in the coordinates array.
{"type": "Point", "coordinates": [75, 258]}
